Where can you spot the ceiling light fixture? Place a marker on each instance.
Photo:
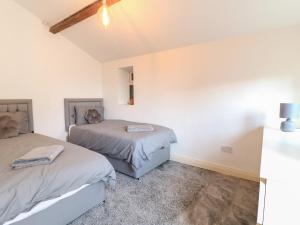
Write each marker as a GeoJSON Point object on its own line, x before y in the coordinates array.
{"type": "Point", "coordinates": [103, 14]}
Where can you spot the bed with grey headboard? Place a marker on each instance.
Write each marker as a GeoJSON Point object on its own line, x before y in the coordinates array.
{"type": "Point", "coordinates": [71, 103]}
{"type": "Point", "coordinates": [18, 105]}
{"type": "Point", "coordinates": [134, 154]}
{"type": "Point", "coordinates": [21, 190]}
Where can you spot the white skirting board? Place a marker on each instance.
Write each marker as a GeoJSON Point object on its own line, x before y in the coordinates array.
{"type": "Point", "coordinates": [215, 167]}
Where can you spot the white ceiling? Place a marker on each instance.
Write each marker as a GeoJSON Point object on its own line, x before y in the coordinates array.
{"type": "Point", "coordinates": [143, 26]}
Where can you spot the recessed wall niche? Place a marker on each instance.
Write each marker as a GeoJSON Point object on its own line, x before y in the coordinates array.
{"type": "Point", "coordinates": [126, 86]}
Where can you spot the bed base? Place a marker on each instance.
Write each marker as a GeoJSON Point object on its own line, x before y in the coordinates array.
{"type": "Point", "coordinates": [70, 208]}
{"type": "Point", "coordinates": [157, 158]}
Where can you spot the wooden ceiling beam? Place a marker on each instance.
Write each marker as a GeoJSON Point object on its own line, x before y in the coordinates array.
{"type": "Point", "coordinates": [79, 16]}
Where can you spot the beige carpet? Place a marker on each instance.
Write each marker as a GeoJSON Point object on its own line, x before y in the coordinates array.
{"type": "Point", "coordinates": [177, 194]}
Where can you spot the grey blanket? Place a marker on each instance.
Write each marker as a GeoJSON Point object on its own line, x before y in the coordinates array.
{"type": "Point", "coordinates": [20, 190]}
{"type": "Point", "coordinates": [38, 156]}
{"type": "Point", "coordinates": [110, 137]}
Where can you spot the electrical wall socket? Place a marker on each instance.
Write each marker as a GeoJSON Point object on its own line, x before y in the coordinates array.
{"type": "Point", "coordinates": [227, 149]}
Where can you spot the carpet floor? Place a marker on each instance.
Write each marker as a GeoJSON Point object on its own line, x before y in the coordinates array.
{"type": "Point", "coordinates": [177, 194]}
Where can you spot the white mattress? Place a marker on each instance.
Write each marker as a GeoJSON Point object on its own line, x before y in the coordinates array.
{"type": "Point", "coordinates": [43, 205]}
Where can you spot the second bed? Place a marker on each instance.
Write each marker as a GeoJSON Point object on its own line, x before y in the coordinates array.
{"type": "Point", "coordinates": [133, 154]}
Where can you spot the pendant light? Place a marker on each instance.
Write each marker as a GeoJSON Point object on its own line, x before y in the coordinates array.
{"type": "Point", "coordinates": [103, 14]}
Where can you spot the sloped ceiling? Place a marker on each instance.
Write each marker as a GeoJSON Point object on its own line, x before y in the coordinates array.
{"type": "Point", "coordinates": [144, 26]}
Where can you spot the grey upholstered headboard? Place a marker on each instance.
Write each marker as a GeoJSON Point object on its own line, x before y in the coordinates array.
{"type": "Point", "coordinates": [70, 104]}
{"type": "Point", "coordinates": [18, 105]}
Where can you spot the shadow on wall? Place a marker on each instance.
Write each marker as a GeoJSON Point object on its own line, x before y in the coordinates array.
{"type": "Point", "coordinates": [245, 136]}
{"type": "Point", "coordinates": [249, 143]}
{"type": "Point", "coordinates": [297, 88]}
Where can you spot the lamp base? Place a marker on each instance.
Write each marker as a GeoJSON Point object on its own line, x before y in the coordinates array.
{"type": "Point", "coordinates": [288, 126]}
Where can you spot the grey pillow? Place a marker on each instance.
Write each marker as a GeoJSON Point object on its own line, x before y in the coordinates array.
{"type": "Point", "coordinates": [81, 111]}
{"type": "Point", "coordinates": [92, 116]}
{"type": "Point", "coordinates": [21, 118]}
{"type": "Point", "coordinates": [8, 127]}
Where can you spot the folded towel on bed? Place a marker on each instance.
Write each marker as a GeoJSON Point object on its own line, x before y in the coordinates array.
{"type": "Point", "coordinates": [139, 128]}
{"type": "Point", "coordinates": [38, 156]}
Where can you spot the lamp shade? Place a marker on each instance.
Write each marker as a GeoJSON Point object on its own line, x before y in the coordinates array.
{"type": "Point", "coordinates": [289, 110]}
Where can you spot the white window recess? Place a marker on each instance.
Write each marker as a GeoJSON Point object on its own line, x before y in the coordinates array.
{"type": "Point", "coordinates": [126, 86]}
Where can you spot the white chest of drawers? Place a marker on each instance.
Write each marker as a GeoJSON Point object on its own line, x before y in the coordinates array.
{"type": "Point", "coordinates": [279, 200]}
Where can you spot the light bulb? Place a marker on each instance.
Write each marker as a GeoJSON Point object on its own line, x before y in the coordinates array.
{"type": "Point", "coordinates": [103, 15]}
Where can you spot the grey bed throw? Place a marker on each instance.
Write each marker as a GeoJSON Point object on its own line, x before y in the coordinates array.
{"type": "Point", "coordinates": [20, 190]}
{"type": "Point", "coordinates": [110, 137]}
{"type": "Point", "coordinates": [38, 156]}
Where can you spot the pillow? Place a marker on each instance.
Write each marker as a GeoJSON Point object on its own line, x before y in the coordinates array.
{"type": "Point", "coordinates": [8, 127]}
{"type": "Point", "coordinates": [81, 110]}
{"type": "Point", "coordinates": [92, 116]}
{"type": "Point", "coordinates": [21, 118]}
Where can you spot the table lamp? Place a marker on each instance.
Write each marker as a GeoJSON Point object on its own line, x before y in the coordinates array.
{"type": "Point", "coordinates": [289, 111]}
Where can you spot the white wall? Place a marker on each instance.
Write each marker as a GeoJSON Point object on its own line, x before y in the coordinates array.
{"type": "Point", "coordinates": [37, 65]}
{"type": "Point", "coordinates": [213, 94]}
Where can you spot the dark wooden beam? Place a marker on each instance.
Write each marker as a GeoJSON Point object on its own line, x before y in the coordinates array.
{"type": "Point", "coordinates": [77, 17]}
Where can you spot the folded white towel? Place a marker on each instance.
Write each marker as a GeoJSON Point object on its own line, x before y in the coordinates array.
{"type": "Point", "coordinates": [139, 128]}
{"type": "Point", "coordinates": [38, 156]}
